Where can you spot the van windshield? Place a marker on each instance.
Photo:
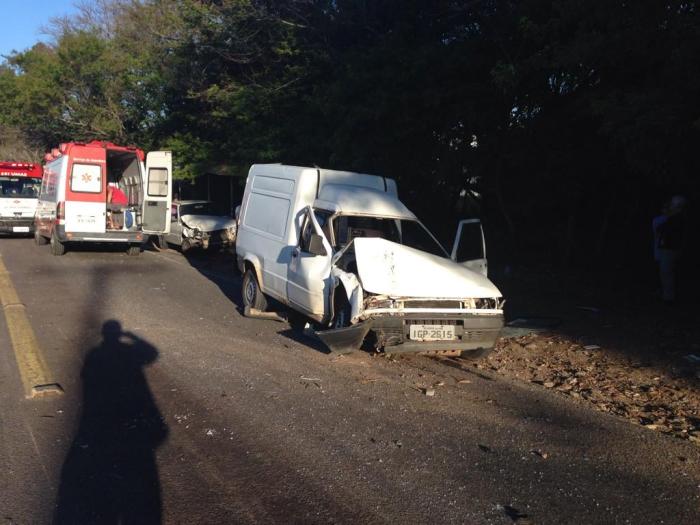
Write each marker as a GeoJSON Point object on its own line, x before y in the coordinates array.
{"type": "Point", "coordinates": [20, 187]}
{"type": "Point", "coordinates": [407, 232]}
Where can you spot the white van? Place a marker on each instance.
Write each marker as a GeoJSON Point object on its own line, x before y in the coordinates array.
{"type": "Point", "coordinates": [340, 249]}
{"type": "Point", "coordinates": [78, 203]}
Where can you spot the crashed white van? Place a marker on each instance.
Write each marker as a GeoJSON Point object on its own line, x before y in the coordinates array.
{"type": "Point", "coordinates": [340, 249]}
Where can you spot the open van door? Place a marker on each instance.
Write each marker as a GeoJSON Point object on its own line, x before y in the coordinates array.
{"type": "Point", "coordinates": [157, 195]}
{"type": "Point", "coordinates": [470, 246]}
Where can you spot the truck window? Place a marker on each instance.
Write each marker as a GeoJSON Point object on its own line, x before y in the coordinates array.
{"type": "Point", "coordinates": [86, 178]}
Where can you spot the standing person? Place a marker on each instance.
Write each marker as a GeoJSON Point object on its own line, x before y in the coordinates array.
{"type": "Point", "coordinates": [116, 202]}
{"type": "Point", "coordinates": [655, 225]}
{"type": "Point", "coordinates": [671, 233]}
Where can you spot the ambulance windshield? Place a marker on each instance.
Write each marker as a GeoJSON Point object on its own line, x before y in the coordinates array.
{"type": "Point", "coordinates": [19, 187]}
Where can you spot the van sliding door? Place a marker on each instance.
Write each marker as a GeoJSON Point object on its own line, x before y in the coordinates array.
{"type": "Point", "coordinates": [157, 192]}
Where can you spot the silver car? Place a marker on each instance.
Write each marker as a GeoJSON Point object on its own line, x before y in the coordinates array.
{"type": "Point", "coordinates": [194, 224]}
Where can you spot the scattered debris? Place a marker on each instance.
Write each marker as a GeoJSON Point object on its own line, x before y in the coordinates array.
{"type": "Point", "coordinates": [538, 452]}
{"type": "Point", "coordinates": [259, 314]}
{"type": "Point", "coordinates": [659, 393]}
{"type": "Point", "coordinates": [309, 378]}
{"type": "Point", "coordinates": [211, 432]}
{"type": "Point", "coordinates": [463, 381]}
{"type": "Point", "coordinates": [515, 515]}
{"type": "Point", "coordinates": [430, 392]}
{"type": "Point", "coordinates": [484, 448]}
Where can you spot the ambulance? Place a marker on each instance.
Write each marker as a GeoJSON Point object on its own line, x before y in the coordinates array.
{"type": "Point", "coordinates": [78, 197]}
{"type": "Point", "coordinates": [19, 189]}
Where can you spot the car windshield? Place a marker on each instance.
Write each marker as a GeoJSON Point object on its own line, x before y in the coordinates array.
{"type": "Point", "coordinates": [197, 208]}
{"type": "Point", "coordinates": [20, 187]}
{"type": "Point", "coordinates": [407, 232]}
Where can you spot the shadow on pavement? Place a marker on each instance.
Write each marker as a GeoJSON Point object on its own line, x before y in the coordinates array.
{"type": "Point", "coordinates": [110, 475]}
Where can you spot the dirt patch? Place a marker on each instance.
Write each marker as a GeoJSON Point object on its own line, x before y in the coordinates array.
{"type": "Point", "coordinates": [661, 395]}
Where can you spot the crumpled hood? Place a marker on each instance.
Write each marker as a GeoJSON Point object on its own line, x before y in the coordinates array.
{"type": "Point", "coordinates": [388, 268]}
{"type": "Point", "coordinates": [208, 223]}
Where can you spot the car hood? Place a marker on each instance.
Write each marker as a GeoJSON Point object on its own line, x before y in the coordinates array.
{"type": "Point", "coordinates": [208, 223]}
{"type": "Point", "coordinates": [388, 268]}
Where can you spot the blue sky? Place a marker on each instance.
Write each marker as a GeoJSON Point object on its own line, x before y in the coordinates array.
{"type": "Point", "coordinates": [22, 20]}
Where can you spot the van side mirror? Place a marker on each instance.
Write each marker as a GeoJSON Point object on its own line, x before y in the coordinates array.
{"type": "Point", "coordinates": [316, 246]}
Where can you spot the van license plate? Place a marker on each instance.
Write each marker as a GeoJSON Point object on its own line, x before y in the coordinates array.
{"type": "Point", "coordinates": [432, 332]}
{"type": "Point", "coordinates": [20, 229]}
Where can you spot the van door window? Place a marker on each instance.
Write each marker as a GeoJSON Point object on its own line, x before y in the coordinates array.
{"type": "Point", "coordinates": [308, 228]}
{"type": "Point", "coordinates": [157, 182]}
{"type": "Point", "coordinates": [86, 178]}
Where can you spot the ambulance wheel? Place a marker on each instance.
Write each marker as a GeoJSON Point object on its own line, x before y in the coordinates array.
{"type": "Point", "coordinates": [252, 295]}
{"type": "Point", "coordinates": [133, 249]}
{"type": "Point", "coordinates": [57, 247]}
{"type": "Point", "coordinates": [39, 239]}
{"type": "Point", "coordinates": [186, 246]}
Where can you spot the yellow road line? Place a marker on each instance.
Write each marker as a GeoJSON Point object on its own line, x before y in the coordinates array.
{"type": "Point", "coordinates": [34, 372]}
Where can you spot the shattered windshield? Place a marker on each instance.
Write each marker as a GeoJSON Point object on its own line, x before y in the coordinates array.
{"type": "Point", "coordinates": [20, 187]}
{"type": "Point", "coordinates": [407, 232]}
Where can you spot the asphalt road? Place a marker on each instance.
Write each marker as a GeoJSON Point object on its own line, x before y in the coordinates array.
{"type": "Point", "coordinates": [176, 409]}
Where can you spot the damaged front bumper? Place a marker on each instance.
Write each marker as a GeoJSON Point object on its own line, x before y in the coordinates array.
{"type": "Point", "coordinates": [215, 239]}
{"type": "Point", "coordinates": [473, 333]}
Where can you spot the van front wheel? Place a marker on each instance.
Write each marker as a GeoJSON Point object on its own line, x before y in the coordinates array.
{"type": "Point", "coordinates": [133, 249]}
{"type": "Point", "coordinates": [252, 295]}
{"type": "Point", "coordinates": [57, 247]}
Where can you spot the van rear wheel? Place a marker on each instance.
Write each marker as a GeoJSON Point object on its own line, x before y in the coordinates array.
{"type": "Point", "coordinates": [39, 239]}
{"type": "Point", "coordinates": [57, 247]}
{"type": "Point", "coordinates": [252, 295]}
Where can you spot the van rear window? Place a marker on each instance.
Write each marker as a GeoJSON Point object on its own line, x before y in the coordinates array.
{"type": "Point", "coordinates": [86, 178]}
{"type": "Point", "coordinates": [157, 182]}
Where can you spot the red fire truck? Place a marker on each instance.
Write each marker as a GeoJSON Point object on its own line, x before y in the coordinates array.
{"type": "Point", "coordinates": [19, 189]}
{"type": "Point", "coordinates": [98, 192]}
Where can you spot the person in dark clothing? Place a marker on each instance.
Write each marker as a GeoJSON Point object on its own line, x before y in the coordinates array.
{"type": "Point", "coordinates": [671, 235]}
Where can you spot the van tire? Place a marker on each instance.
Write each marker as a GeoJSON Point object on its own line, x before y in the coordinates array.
{"type": "Point", "coordinates": [57, 247]}
{"type": "Point", "coordinates": [39, 239]}
{"type": "Point", "coordinates": [252, 295]}
{"type": "Point", "coordinates": [186, 246]}
{"type": "Point", "coordinates": [133, 250]}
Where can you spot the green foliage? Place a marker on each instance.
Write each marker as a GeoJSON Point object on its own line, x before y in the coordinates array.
{"type": "Point", "coordinates": [571, 102]}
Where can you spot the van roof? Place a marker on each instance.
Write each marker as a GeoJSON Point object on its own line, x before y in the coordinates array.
{"type": "Point", "coordinates": [355, 200]}
{"type": "Point", "coordinates": [65, 147]}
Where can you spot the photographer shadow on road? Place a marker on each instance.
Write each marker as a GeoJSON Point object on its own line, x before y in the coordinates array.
{"type": "Point", "coordinates": [110, 475]}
